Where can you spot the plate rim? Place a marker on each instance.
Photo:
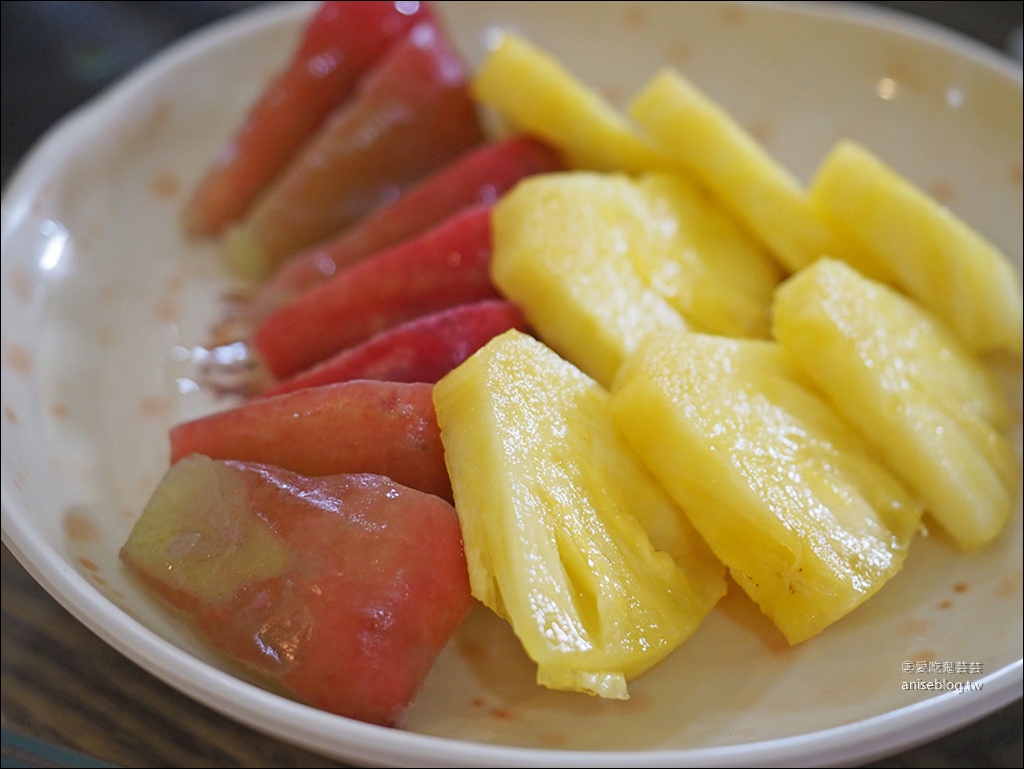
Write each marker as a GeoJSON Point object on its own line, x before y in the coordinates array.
{"type": "Point", "coordinates": [239, 700]}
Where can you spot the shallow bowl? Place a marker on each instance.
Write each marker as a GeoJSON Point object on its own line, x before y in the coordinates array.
{"type": "Point", "coordinates": [106, 307]}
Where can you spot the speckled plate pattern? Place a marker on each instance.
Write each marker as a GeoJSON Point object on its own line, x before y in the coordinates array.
{"type": "Point", "coordinates": [106, 307]}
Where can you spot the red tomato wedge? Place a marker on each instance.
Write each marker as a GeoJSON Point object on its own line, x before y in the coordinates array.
{"type": "Point", "coordinates": [443, 267]}
{"type": "Point", "coordinates": [411, 115]}
{"type": "Point", "coordinates": [339, 45]}
{"type": "Point", "coordinates": [361, 426]}
{"type": "Point", "coordinates": [343, 588]}
{"type": "Point", "coordinates": [422, 350]}
{"type": "Point", "coordinates": [480, 176]}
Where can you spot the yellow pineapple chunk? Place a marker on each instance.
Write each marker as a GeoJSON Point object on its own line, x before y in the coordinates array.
{"type": "Point", "coordinates": [703, 262]}
{"type": "Point", "coordinates": [598, 261]}
{"type": "Point", "coordinates": [708, 143]}
{"type": "Point", "coordinates": [898, 374]}
{"type": "Point", "coordinates": [562, 247]}
{"type": "Point", "coordinates": [555, 513]}
{"type": "Point", "coordinates": [935, 257]}
{"type": "Point", "coordinates": [534, 92]}
{"type": "Point", "coordinates": [785, 493]}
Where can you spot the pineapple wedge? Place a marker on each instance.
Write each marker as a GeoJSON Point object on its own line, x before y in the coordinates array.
{"type": "Point", "coordinates": [598, 261]}
{"type": "Point", "coordinates": [563, 251]}
{"type": "Point", "coordinates": [536, 94]}
{"type": "Point", "coordinates": [898, 374]}
{"type": "Point", "coordinates": [708, 143]}
{"type": "Point", "coordinates": [703, 262]}
{"type": "Point", "coordinates": [935, 257]}
{"type": "Point", "coordinates": [784, 492]}
{"type": "Point", "coordinates": [555, 513]}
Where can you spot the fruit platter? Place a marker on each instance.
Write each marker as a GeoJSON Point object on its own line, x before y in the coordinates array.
{"type": "Point", "coordinates": [420, 384]}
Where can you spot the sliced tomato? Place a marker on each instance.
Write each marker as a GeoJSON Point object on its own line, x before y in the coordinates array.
{"type": "Point", "coordinates": [343, 588]}
{"type": "Point", "coordinates": [340, 44]}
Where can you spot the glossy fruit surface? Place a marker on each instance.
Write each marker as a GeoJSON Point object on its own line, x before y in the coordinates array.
{"type": "Point", "coordinates": [567, 535]}
{"type": "Point", "coordinates": [343, 588]}
{"type": "Point", "coordinates": [362, 426]}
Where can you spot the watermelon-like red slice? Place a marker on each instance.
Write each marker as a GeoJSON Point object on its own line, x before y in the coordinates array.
{"type": "Point", "coordinates": [422, 350]}
{"type": "Point", "coordinates": [339, 45]}
{"type": "Point", "coordinates": [440, 268]}
{"type": "Point", "coordinates": [477, 177]}
{"type": "Point", "coordinates": [361, 426]}
{"type": "Point", "coordinates": [343, 588]}
{"type": "Point", "coordinates": [411, 115]}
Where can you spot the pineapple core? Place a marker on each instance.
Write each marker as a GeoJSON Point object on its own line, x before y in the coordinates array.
{"type": "Point", "coordinates": [566, 534]}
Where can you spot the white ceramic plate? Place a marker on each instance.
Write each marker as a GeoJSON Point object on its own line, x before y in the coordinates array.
{"type": "Point", "coordinates": [104, 305]}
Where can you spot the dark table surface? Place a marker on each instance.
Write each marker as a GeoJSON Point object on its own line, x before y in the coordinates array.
{"type": "Point", "coordinates": [96, 708]}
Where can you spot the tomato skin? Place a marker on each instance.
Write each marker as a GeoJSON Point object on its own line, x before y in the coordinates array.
{"type": "Point", "coordinates": [369, 579]}
{"type": "Point", "coordinates": [443, 267]}
{"type": "Point", "coordinates": [477, 177]}
{"type": "Point", "coordinates": [340, 44]}
{"type": "Point", "coordinates": [422, 350]}
{"type": "Point", "coordinates": [412, 115]}
{"type": "Point", "coordinates": [360, 426]}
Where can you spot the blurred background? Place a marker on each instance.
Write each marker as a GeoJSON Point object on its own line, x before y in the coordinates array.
{"type": "Point", "coordinates": [57, 54]}
{"type": "Point", "coordinates": [87, 710]}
